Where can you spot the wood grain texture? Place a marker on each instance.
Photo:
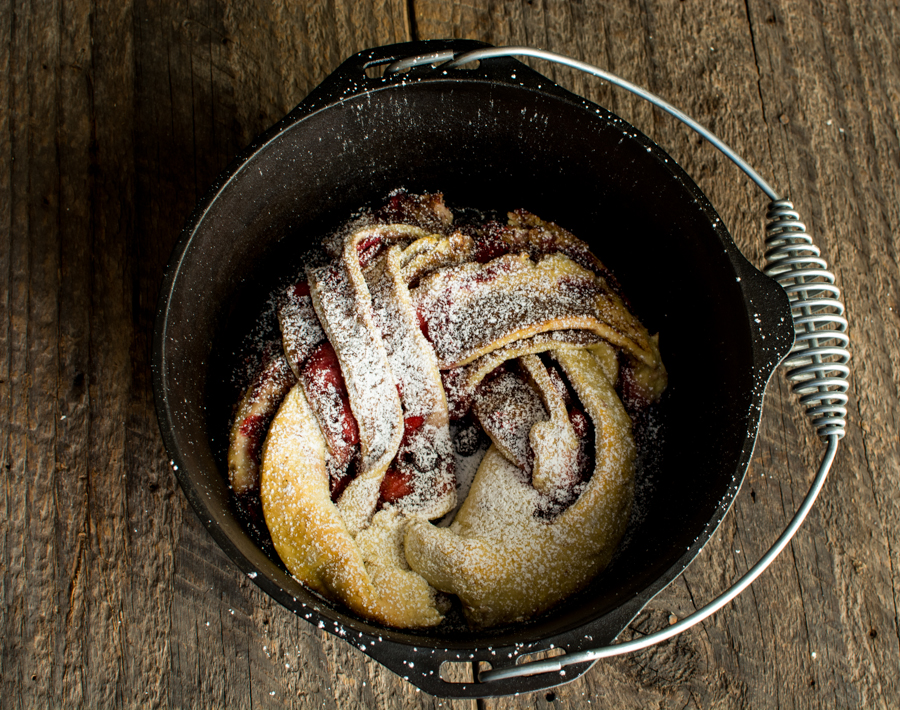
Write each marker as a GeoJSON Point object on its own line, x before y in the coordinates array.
{"type": "Point", "coordinates": [116, 117]}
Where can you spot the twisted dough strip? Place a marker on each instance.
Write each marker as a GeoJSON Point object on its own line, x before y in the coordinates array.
{"type": "Point", "coordinates": [415, 367]}
{"type": "Point", "coordinates": [505, 563]}
{"type": "Point", "coordinates": [465, 381]}
{"type": "Point", "coordinates": [255, 410]}
{"type": "Point", "coordinates": [300, 329]}
{"type": "Point", "coordinates": [367, 571]}
{"type": "Point", "coordinates": [508, 408]}
{"type": "Point", "coordinates": [343, 551]}
{"type": "Point", "coordinates": [473, 309]}
{"type": "Point", "coordinates": [343, 304]}
{"type": "Point", "coordinates": [554, 442]}
{"type": "Point", "coordinates": [434, 252]}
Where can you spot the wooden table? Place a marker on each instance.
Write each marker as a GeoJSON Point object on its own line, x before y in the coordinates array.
{"type": "Point", "coordinates": [117, 115]}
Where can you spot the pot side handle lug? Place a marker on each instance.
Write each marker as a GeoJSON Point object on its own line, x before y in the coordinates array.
{"type": "Point", "coordinates": [770, 318]}
{"type": "Point", "coordinates": [422, 668]}
{"type": "Point", "coordinates": [351, 77]}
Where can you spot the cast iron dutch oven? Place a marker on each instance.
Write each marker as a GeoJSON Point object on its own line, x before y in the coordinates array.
{"type": "Point", "coordinates": [500, 136]}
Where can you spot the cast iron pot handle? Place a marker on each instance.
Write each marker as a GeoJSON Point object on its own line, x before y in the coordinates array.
{"type": "Point", "coordinates": [352, 76]}
{"type": "Point", "coordinates": [817, 363]}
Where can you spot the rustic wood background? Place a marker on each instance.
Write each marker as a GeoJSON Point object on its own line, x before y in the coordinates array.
{"type": "Point", "coordinates": [116, 116]}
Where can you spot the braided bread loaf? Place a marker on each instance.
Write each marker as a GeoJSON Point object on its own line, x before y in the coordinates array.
{"type": "Point", "coordinates": [411, 323]}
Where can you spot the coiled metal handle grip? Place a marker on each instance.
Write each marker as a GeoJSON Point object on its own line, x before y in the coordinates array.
{"type": "Point", "coordinates": [817, 364]}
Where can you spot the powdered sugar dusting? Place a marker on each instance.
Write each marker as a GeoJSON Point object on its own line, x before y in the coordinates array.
{"type": "Point", "coordinates": [342, 308]}
{"type": "Point", "coordinates": [425, 459]}
{"type": "Point", "coordinates": [507, 408]}
{"type": "Point", "coordinates": [300, 328]}
{"type": "Point", "coordinates": [473, 309]}
{"type": "Point", "coordinates": [406, 295]}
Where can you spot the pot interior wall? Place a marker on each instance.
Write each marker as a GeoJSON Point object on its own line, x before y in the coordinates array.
{"type": "Point", "coordinates": [495, 147]}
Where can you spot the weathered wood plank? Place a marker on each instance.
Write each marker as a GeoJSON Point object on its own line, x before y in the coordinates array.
{"type": "Point", "coordinates": [29, 589]}
{"type": "Point", "coordinates": [74, 140]}
{"type": "Point", "coordinates": [109, 589]}
{"type": "Point", "coordinates": [8, 542]}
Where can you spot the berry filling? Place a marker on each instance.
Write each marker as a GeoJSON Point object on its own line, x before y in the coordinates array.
{"type": "Point", "coordinates": [369, 250]}
{"type": "Point", "coordinates": [253, 427]}
{"type": "Point", "coordinates": [400, 479]}
{"type": "Point", "coordinates": [326, 390]}
{"type": "Point", "coordinates": [489, 242]}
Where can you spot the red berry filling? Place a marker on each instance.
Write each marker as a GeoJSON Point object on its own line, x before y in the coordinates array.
{"type": "Point", "coordinates": [253, 427]}
{"type": "Point", "coordinates": [369, 249]}
{"type": "Point", "coordinates": [490, 244]}
{"type": "Point", "coordinates": [324, 385]}
{"type": "Point", "coordinates": [395, 485]}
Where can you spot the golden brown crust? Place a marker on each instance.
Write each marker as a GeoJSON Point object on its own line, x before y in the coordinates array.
{"type": "Point", "coordinates": [366, 572]}
{"type": "Point", "coordinates": [433, 252]}
{"type": "Point", "coordinates": [505, 563]}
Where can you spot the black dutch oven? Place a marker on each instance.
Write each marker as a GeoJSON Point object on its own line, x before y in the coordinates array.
{"type": "Point", "coordinates": [500, 136]}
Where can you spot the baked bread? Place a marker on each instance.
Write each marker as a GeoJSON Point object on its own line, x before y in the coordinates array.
{"type": "Point", "coordinates": [413, 322]}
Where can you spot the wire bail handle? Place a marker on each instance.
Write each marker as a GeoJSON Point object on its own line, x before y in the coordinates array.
{"type": "Point", "coordinates": [817, 364]}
